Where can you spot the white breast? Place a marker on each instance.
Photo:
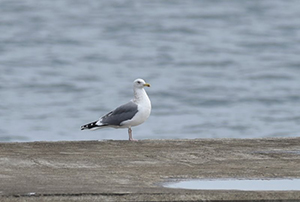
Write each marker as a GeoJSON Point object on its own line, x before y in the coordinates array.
{"type": "Point", "coordinates": [144, 109]}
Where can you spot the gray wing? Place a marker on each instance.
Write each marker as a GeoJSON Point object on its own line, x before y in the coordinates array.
{"type": "Point", "coordinates": [120, 114]}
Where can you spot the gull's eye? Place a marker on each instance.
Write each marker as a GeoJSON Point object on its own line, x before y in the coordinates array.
{"type": "Point", "coordinates": [138, 82]}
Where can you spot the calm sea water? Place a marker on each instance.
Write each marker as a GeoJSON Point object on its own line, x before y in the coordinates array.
{"type": "Point", "coordinates": [218, 69]}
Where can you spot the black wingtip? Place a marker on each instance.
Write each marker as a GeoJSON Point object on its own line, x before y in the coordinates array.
{"type": "Point", "coordinates": [89, 125]}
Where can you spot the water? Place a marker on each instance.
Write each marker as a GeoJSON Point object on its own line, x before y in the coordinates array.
{"type": "Point", "coordinates": [218, 69]}
{"type": "Point", "coordinates": [239, 184]}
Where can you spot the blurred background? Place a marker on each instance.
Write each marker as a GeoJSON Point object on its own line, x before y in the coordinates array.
{"type": "Point", "coordinates": [218, 69]}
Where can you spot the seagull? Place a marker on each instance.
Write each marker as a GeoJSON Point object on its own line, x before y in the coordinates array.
{"type": "Point", "coordinates": [133, 113]}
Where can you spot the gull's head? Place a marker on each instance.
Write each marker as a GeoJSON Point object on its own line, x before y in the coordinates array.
{"type": "Point", "coordinates": [140, 83]}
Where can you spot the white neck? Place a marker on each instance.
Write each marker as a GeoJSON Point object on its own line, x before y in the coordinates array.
{"type": "Point", "coordinates": [140, 94]}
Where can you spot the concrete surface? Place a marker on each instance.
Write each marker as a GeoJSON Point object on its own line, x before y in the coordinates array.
{"type": "Point", "coordinates": [134, 171]}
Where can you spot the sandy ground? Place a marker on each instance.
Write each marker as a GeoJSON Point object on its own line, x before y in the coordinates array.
{"type": "Point", "coordinates": [135, 171]}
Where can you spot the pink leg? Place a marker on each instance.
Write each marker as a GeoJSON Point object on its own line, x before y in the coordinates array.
{"type": "Point", "coordinates": [130, 135]}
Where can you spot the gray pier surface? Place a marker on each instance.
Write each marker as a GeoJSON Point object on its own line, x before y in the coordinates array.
{"type": "Point", "coordinates": [135, 171]}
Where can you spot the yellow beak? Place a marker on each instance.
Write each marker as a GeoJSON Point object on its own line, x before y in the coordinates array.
{"type": "Point", "coordinates": [147, 84]}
